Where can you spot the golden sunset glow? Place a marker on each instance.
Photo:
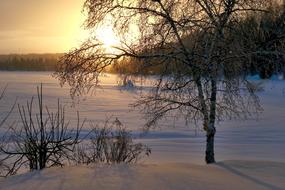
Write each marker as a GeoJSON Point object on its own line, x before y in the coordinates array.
{"type": "Point", "coordinates": [52, 27]}
{"type": "Point", "coordinates": [108, 38]}
{"type": "Point", "coordinates": [45, 26]}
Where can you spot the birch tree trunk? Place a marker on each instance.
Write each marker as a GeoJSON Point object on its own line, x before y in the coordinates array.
{"type": "Point", "coordinates": [210, 129]}
{"type": "Point", "coordinates": [210, 153]}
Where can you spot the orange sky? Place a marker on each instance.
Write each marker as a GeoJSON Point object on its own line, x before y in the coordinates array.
{"type": "Point", "coordinates": [39, 26]}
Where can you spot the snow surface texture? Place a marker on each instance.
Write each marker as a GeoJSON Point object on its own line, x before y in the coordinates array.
{"type": "Point", "coordinates": [177, 150]}
{"type": "Point", "coordinates": [173, 141]}
{"type": "Point", "coordinates": [233, 175]}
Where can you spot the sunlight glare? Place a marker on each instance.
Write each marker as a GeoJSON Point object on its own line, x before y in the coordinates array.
{"type": "Point", "coordinates": [108, 38]}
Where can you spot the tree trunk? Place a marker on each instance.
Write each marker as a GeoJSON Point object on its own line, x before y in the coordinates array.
{"type": "Point", "coordinates": [210, 155]}
{"type": "Point", "coordinates": [210, 129]}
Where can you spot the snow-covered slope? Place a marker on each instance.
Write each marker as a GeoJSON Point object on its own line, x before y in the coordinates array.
{"type": "Point", "coordinates": [228, 175]}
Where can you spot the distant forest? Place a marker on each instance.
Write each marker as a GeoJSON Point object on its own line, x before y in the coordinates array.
{"type": "Point", "coordinates": [29, 62]}
{"type": "Point", "coordinates": [260, 33]}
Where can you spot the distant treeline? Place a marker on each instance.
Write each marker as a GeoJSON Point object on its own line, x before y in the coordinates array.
{"type": "Point", "coordinates": [29, 62]}
{"type": "Point", "coordinates": [260, 33]}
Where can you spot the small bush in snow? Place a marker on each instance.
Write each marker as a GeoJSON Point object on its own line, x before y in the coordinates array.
{"type": "Point", "coordinates": [111, 144]}
{"type": "Point", "coordinates": [42, 140]}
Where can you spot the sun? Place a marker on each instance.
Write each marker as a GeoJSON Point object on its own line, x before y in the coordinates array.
{"type": "Point", "coordinates": [108, 38]}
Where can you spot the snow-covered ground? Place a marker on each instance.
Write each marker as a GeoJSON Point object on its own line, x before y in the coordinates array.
{"type": "Point", "coordinates": [233, 175]}
{"type": "Point", "coordinates": [177, 155]}
{"type": "Point", "coordinates": [261, 139]}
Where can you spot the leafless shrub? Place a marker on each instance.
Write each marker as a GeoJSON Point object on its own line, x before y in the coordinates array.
{"type": "Point", "coordinates": [4, 117]}
{"type": "Point", "coordinates": [111, 144]}
{"type": "Point", "coordinates": [42, 139]}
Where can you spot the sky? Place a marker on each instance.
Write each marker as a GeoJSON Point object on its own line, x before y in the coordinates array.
{"type": "Point", "coordinates": [40, 26]}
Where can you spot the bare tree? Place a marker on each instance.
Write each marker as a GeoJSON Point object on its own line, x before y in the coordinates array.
{"type": "Point", "coordinates": [197, 46]}
{"type": "Point", "coordinates": [43, 139]}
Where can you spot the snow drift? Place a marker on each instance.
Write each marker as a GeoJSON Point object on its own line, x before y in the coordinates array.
{"type": "Point", "coordinates": [234, 175]}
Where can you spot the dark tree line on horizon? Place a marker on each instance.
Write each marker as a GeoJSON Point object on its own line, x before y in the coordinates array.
{"type": "Point", "coordinates": [29, 62]}
{"type": "Point", "coordinates": [268, 28]}
{"type": "Point", "coordinates": [263, 31]}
